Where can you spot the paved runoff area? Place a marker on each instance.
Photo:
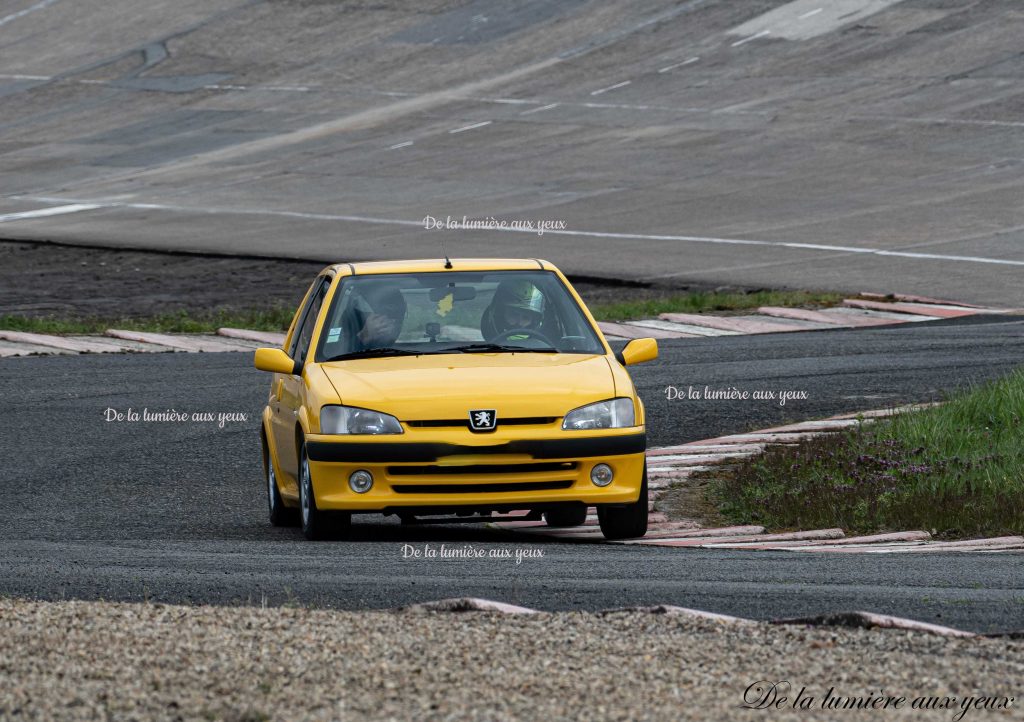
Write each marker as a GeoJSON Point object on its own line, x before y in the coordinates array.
{"type": "Point", "coordinates": [746, 143]}
{"type": "Point", "coordinates": [854, 313]}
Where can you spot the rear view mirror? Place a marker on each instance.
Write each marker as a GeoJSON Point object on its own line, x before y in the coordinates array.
{"type": "Point", "coordinates": [458, 293]}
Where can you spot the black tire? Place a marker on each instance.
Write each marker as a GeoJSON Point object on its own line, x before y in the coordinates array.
{"type": "Point", "coordinates": [316, 524]}
{"type": "Point", "coordinates": [279, 514]}
{"type": "Point", "coordinates": [568, 515]}
{"type": "Point", "coordinates": [625, 521]}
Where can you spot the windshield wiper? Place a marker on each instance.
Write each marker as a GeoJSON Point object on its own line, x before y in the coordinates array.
{"type": "Point", "coordinates": [374, 352]}
{"type": "Point", "coordinates": [497, 348]}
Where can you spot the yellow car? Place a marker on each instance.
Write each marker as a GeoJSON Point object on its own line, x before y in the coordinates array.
{"type": "Point", "coordinates": [465, 387]}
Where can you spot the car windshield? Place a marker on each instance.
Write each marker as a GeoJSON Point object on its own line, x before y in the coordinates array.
{"type": "Point", "coordinates": [454, 312]}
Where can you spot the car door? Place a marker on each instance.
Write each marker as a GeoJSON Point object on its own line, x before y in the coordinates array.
{"type": "Point", "coordinates": [289, 386]}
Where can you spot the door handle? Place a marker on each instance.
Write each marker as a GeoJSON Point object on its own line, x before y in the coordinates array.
{"type": "Point", "coordinates": [280, 386]}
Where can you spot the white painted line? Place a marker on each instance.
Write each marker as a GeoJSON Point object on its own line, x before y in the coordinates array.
{"type": "Point", "coordinates": [688, 61]}
{"type": "Point", "coordinates": [88, 204]}
{"type": "Point", "coordinates": [44, 212]}
{"type": "Point", "coordinates": [280, 88]}
{"type": "Point", "coordinates": [942, 121]}
{"type": "Point", "coordinates": [26, 77]}
{"type": "Point", "coordinates": [537, 110]}
{"type": "Point", "coordinates": [510, 101]}
{"type": "Point", "coordinates": [616, 105]}
{"type": "Point", "coordinates": [400, 145]}
{"type": "Point", "coordinates": [611, 87]}
{"type": "Point", "coordinates": [752, 37]}
{"type": "Point", "coordinates": [214, 86]}
{"type": "Point", "coordinates": [792, 20]}
{"type": "Point", "coordinates": [241, 211]}
{"type": "Point", "coordinates": [470, 127]}
{"type": "Point", "coordinates": [26, 11]}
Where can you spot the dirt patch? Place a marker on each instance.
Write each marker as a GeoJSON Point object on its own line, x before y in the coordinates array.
{"type": "Point", "coordinates": [689, 500]}
{"type": "Point", "coordinates": [39, 280]}
{"type": "Point", "coordinates": [44, 279]}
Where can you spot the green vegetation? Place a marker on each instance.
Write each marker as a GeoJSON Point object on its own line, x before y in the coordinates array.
{"type": "Point", "coordinates": [275, 319]}
{"type": "Point", "coordinates": [701, 302]}
{"type": "Point", "coordinates": [957, 469]}
{"type": "Point", "coordinates": [278, 318]}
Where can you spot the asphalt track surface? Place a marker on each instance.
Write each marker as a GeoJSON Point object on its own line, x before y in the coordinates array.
{"type": "Point", "coordinates": [175, 512]}
{"type": "Point", "coordinates": [763, 142]}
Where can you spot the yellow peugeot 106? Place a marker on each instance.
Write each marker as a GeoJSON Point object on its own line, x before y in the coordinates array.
{"type": "Point", "coordinates": [463, 387]}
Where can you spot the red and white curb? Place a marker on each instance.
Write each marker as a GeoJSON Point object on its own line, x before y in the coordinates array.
{"type": "Point", "coordinates": [860, 620]}
{"type": "Point", "coordinates": [671, 464]}
{"type": "Point", "coordinates": [20, 343]}
{"type": "Point", "coordinates": [870, 309]}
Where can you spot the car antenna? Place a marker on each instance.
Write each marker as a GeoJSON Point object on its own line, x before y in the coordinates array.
{"type": "Point", "coordinates": [447, 261]}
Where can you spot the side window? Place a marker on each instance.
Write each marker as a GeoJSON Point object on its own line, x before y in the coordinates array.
{"type": "Point", "coordinates": [304, 331]}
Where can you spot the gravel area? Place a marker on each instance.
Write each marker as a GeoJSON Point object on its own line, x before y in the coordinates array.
{"type": "Point", "coordinates": [86, 660]}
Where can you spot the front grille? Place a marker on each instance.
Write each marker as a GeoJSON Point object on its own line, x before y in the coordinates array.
{"type": "Point", "coordinates": [480, 488]}
{"type": "Point", "coordinates": [464, 423]}
{"type": "Point", "coordinates": [435, 470]}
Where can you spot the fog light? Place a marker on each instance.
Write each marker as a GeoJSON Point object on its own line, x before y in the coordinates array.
{"type": "Point", "coordinates": [602, 475]}
{"type": "Point", "coordinates": [361, 481]}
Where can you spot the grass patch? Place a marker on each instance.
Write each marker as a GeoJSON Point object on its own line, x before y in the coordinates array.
{"type": "Point", "coordinates": [956, 470]}
{"type": "Point", "coordinates": [703, 302]}
{"type": "Point", "coordinates": [275, 319]}
{"type": "Point", "coordinates": [278, 318]}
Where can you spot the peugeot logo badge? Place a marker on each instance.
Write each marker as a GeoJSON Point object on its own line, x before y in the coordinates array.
{"type": "Point", "coordinates": [482, 420]}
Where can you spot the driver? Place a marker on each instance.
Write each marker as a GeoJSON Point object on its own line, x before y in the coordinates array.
{"type": "Point", "coordinates": [516, 305]}
{"type": "Point", "coordinates": [379, 313]}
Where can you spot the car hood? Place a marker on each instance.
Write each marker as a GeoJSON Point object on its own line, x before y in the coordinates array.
{"type": "Point", "coordinates": [448, 386]}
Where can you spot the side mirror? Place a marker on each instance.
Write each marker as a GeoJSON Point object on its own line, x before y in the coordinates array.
{"type": "Point", "coordinates": [637, 351]}
{"type": "Point", "coordinates": [275, 360]}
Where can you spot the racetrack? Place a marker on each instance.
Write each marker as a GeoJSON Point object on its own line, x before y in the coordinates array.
{"type": "Point", "coordinates": [176, 511]}
{"type": "Point", "coordinates": [756, 143]}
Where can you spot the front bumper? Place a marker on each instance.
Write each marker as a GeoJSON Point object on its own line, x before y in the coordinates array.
{"type": "Point", "coordinates": [476, 471]}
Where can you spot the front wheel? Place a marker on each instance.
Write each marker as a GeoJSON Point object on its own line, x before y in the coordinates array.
{"type": "Point", "coordinates": [625, 521]}
{"type": "Point", "coordinates": [280, 515]}
{"type": "Point", "coordinates": [317, 524]}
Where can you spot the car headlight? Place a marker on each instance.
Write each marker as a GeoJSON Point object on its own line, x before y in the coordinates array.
{"type": "Point", "coordinates": [350, 420]}
{"type": "Point", "coordinates": [610, 414]}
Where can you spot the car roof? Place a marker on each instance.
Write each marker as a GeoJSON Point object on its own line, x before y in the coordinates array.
{"type": "Point", "coordinates": [427, 265]}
